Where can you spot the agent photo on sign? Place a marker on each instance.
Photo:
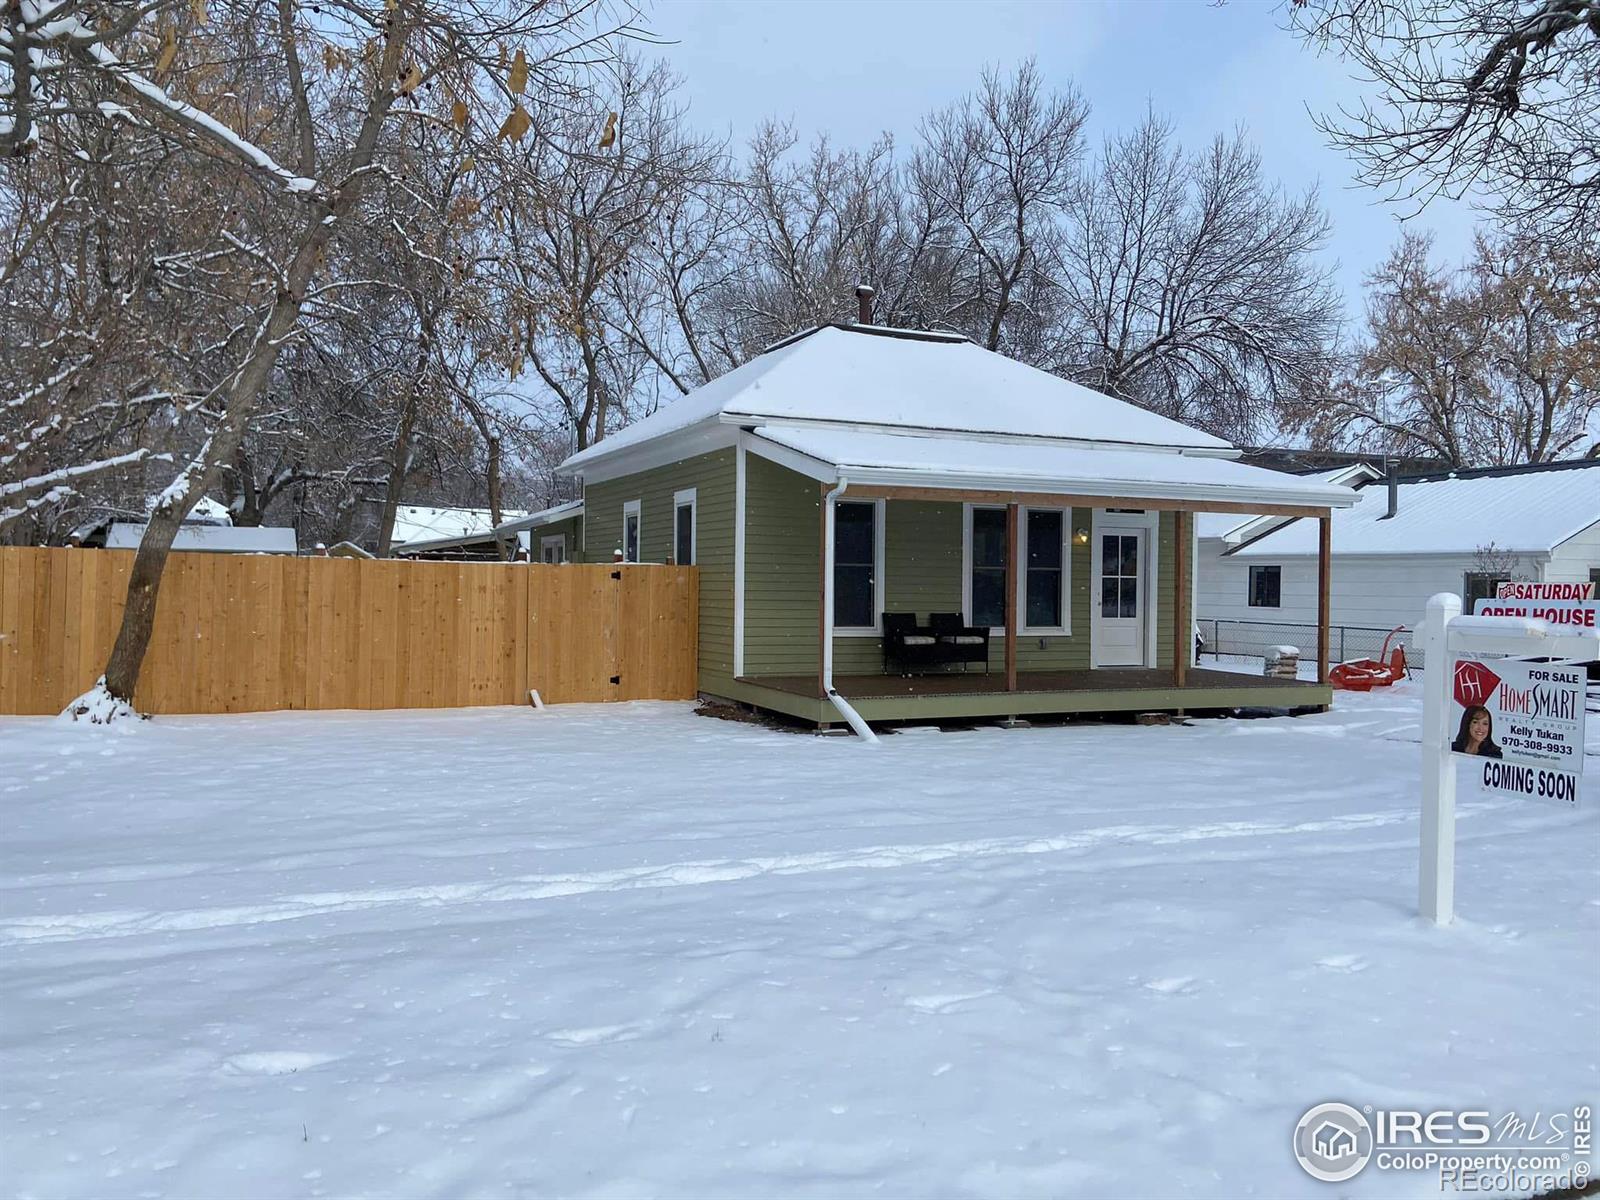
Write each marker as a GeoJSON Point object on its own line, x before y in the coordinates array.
{"type": "Point", "coordinates": [1476, 735]}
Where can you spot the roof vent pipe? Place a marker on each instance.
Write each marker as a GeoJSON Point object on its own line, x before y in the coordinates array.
{"type": "Point", "coordinates": [1393, 480]}
{"type": "Point", "coordinates": [864, 295]}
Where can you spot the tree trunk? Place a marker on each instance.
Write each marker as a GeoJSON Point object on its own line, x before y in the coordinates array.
{"type": "Point", "coordinates": [399, 467]}
{"type": "Point", "coordinates": [150, 563]}
{"type": "Point", "coordinates": [493, 468]}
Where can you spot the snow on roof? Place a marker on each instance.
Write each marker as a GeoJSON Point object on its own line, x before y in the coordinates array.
{"type": "Point", "coordinates": [1028, 464]}
{"type": "Point", "coordinates": [228, 539]}
{"type": "Point", "coordinates": [419, 523]}
{"type": "Point", "coordinates": [869, 375]}
{"type": "Point", "coordinates": [1517, 512]}
{"type": "Point", "coordinates": [1216, 525]}
{"type": "Point", "coordinates": [545, 516]}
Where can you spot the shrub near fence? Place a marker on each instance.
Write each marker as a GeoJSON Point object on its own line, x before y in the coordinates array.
{"type": "Point", "coordinates": [249, 633]}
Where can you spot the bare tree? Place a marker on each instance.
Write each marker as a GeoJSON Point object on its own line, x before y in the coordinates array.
{"type": "Point", "coordinates": [998, 167]}
{"type": "Point", "coordinates": [1493, 363]}
{"type": "Point", "coordinates": [306, 145]}
{"type": "Point", "coordinates": [1191, 283]}
{"type": "Point", "coordinates": [1472, 93]}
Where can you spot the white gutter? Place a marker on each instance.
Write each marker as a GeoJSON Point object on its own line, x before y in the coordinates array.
{"type": "Point", "coordinates": [1122, 489]}
{"type": "Point", "coordinates": [851, 716]}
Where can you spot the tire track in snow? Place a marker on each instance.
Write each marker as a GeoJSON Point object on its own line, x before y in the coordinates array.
{"type": "Point", "coordinates": [135, 922]}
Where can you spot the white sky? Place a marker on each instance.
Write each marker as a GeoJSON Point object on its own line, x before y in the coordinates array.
{"type": "Point", "coordinates": [856, 68]}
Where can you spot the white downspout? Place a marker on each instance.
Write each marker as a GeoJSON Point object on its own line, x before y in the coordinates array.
{"type": "Point", "coordinates": [851, 716]}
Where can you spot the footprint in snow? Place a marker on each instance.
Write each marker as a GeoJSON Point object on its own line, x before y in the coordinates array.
{"type": "Point", "coordinates": [595, 1035]}
{"type": "Point", "coordinates": [1345, 964]}
{"type": "Point", "coordinates": [944, 1003]}
{"type": "Point", "coordinates": [274, 1062]}
{"type": "Point", "coordinates": [1178, 985]}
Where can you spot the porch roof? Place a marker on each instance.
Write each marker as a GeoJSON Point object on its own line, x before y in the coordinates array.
{"type": "Point", "coordinates": [1033, 465]}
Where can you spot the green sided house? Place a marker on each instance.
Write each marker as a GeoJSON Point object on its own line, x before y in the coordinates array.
{"type": "Point", "coordinates": [898, 525]}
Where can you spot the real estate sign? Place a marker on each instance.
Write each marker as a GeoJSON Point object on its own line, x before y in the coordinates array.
{"type": "Point", "coordinates": [1523, 722]}
{"type": "Point", "coordinates": [1522, 589]}
{"type": "Point", "coordinates": [1570, 615]}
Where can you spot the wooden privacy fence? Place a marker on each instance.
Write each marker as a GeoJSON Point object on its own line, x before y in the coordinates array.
{"type": "Point", "coordinates": [247, 633]}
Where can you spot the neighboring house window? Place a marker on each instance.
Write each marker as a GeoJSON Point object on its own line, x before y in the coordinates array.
{"type": "Point", "coordinates": [631, 531]}
{"type": "Point", "coordinates": [986, 554]}
{"type": "Point", "coordinates": [683, 523]}
{"type": "Point", "coordinates": [1481, 585]}
{"type": "Point", "coordinates": [1266, 587]}
{"type": "Point", "coordinates": [553, 549]}
{"type": "Point", "coordinates": [855, 556]}
{"type": "Point", "coordinates": [1045, 578]}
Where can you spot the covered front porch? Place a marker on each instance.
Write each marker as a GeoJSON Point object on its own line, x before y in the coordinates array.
{"type": "Point", "coordinates": [1080, 589]}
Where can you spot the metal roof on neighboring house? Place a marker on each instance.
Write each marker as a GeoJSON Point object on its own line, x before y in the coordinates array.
{"type": "Point", "coordinates": [219, 539]}
{"type": "Point", "coordinates": [1513, 509]}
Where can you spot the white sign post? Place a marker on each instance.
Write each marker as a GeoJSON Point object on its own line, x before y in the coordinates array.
{"type": "Point", "coordinates": [1541, 719]}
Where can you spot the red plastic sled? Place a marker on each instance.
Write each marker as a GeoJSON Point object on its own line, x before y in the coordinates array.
{"type": "Point", "coordinates": [1364, 674]}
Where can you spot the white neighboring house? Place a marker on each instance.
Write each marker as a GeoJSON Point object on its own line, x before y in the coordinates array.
{"type": "Point", "coordinates": [550, 535]}
{"type": "Point", "coordinates": [418, 523]}
{"type": "Point", "coordinates": [1461, 531]}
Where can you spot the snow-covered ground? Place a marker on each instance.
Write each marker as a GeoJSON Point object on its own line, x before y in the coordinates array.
{"type": "Point", "coordinates": [627, 950]}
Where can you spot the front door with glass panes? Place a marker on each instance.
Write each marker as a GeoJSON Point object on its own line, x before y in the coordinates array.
{"type": "Point", "coordinates": [1119, 596]}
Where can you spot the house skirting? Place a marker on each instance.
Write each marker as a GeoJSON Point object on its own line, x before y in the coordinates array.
{"type": "Point", "coordinates": [956, 695]}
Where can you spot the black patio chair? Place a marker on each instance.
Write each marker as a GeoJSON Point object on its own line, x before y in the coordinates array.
{"type": "Point", "coordinates": [907, 644]}
{"type": "Point", "coordinates": [959, 642]}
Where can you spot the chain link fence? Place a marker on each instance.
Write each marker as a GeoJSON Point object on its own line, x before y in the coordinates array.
{"type": "Point", "coordinates": [1226, 638]}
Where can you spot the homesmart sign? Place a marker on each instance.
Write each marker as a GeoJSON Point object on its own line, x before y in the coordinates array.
{"type": "Point", "coordinates": [1568, 606]}
{"type": "Point", "coordinates": [1523, 723]}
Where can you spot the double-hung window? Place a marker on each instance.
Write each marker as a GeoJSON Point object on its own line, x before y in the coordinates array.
{"type": "Point", "coordinates": [986, 557]}
{"type": "Point", "coordinates": [1045, 597]}
{"type": "Point", "coordinates": [855, 564]}
{"type": "Point", "coordinates": [631, 531]}
{"type": "Point", "coordinates": [683, 522]}
{"type": "Point", "coordinates": [1266, 587]}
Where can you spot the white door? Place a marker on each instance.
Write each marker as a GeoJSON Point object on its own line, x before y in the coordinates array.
{"type": "Point", "coordinates": [1119, 598]}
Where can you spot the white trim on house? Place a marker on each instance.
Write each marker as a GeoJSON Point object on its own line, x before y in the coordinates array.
{"type": "Point", "coordinates": [801, 464]}
{"type": "Point", "coordinates": [634, 509]}
{"type": "Point", "coordinates": [739, 476]}
{"type": "Point", "coordinates": [557, 541]}
{"type": "Point", "coordinates": [685, 498]}
{"type": "Point", "coordinates": [880, 538]}
{"type": "Point", "coordinates": [661, 451]}
{"type": "Point", "coordinates": [1150, 521]}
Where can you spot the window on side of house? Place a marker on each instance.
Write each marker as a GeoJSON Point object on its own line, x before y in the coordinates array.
{"type": "Point", "coordinates": [553, 548]}
{"type": "Point", "coordinates": [1480, 585]}
{"type": "Point", "coordinates": [1266, 587]}
{"type": "Point", "coordinates": [632, 531]}
{"type": "Point", "coordinates": [1045, 578]}
{"type": "Point", "coordinates": [683, 527]}
{"type": "Point", "coordinates": [986, 556]}
{"type": "Point", "coordinates": [855, 557]}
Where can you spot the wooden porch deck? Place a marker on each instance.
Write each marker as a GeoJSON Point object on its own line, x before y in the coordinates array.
{"type": "Point", "coordinates": [955, 694]}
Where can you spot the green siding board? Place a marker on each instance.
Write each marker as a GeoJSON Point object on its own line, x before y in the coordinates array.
{"type": "Point", "coordinates": [712, 477]}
